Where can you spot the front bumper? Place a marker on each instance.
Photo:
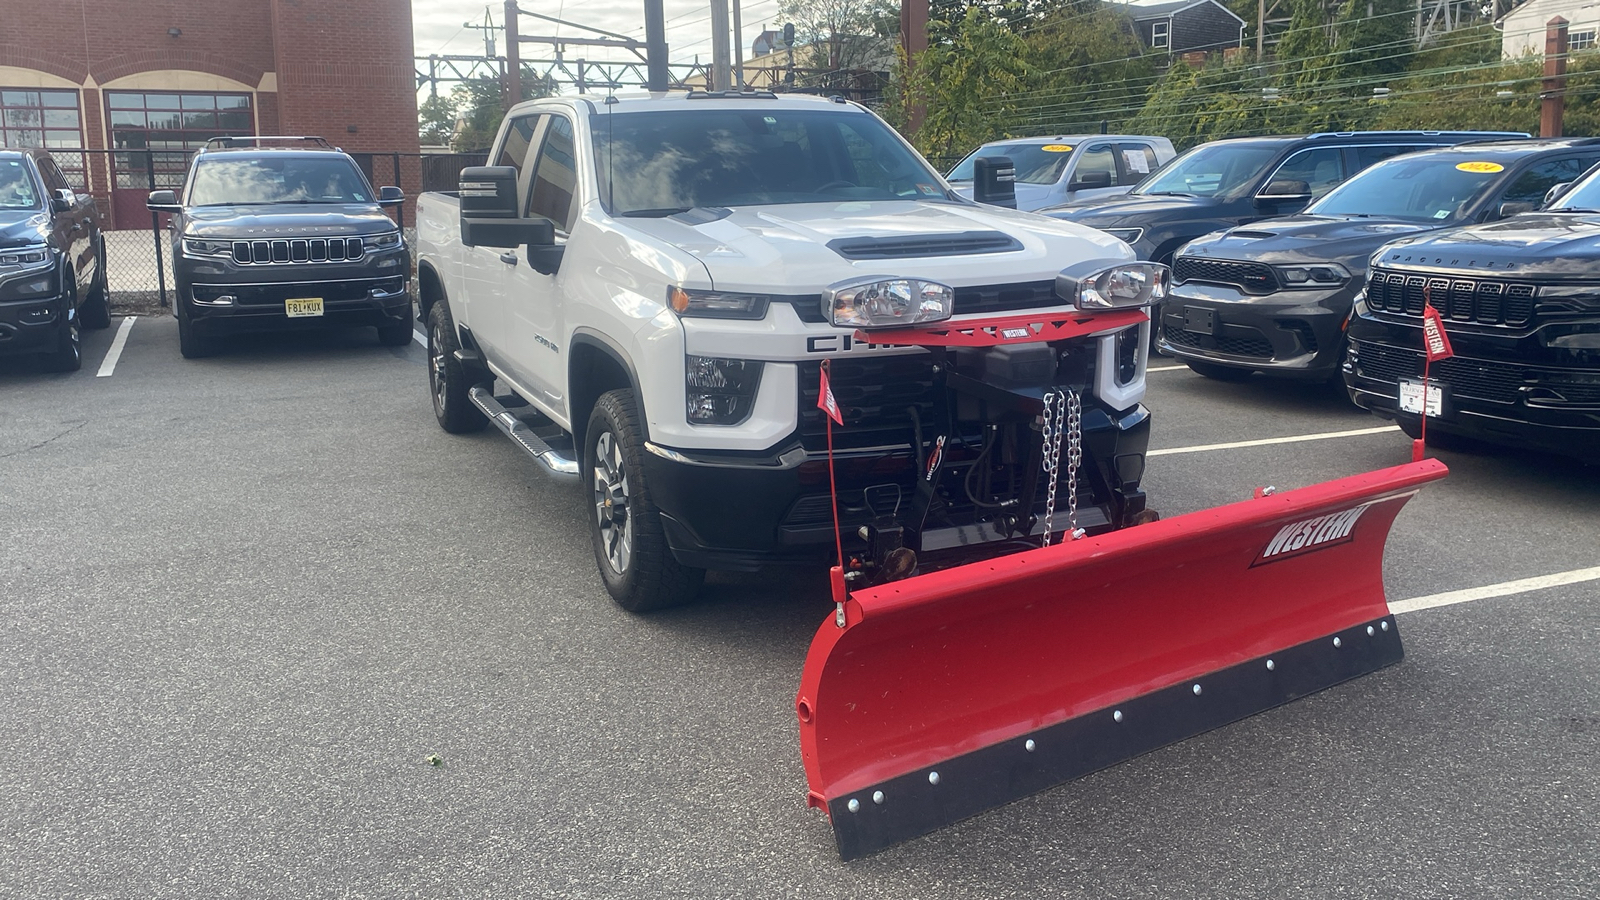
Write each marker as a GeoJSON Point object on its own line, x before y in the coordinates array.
{"type": "Point", "coordinates": [1289, 334]}
{"type": "Point", "coordinates": [740, 511]}
{"type": "Point", "coordinates": [1491, 392]}
{"type": "Point", "coordinates": [220, 297]}
{"type": "Point", "coordinates": [32, 325]}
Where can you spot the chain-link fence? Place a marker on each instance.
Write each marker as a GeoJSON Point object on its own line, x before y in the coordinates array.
{"type": "Point", "coordinates": [121, 182]}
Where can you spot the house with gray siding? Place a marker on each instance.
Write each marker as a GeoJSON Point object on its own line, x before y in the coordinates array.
{"type": "Point", "coordinates": [1185, 26]}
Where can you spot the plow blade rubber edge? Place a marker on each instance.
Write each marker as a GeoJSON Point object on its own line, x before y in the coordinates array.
{"type": "Point", "coordinates": [953, 692]}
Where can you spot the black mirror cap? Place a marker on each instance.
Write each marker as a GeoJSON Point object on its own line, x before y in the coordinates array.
{"type": "Point", "coordinates": [62, 199]}
{"type": "Point", "coordinates": [495, 232]}
{"type": "Point", "coordinates": [1516, 208]}
{"type": "Point", "coordinates": [1090, 180]}
{"type": "Point", "coordinates": [390, 194]}
{"type": "Point", "coordinates": [994, 181]}
{"type": "Point", "coordinates": [1285, 190]}
{"type": "Point", "coordinates": [489, 192]}
{"type": "Point", "coordinates": [162, 201]}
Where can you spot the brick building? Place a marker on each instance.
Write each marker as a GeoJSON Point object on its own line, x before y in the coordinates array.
{"type": "Point", "coordinates": [140, 83]}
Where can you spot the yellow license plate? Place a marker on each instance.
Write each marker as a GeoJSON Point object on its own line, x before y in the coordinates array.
{"type": "Point", "coordinates": [303, 306]}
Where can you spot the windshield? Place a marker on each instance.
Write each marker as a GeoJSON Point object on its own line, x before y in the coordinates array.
{"type": "Point", "coordinates": [659, 163]}
{"type": "Point", "coordinates": [1212, 170]}
{"type": "Point", "coordinates": [283, 179]}
{"type": "Point", "coordinates": [1584, 195]}
{"type": "Point", "coordinates": [1036, 163]}
{"type": "Point", "coordinates": [16, 186]}
{"type": "Point", "coordinates": [1431, 187]}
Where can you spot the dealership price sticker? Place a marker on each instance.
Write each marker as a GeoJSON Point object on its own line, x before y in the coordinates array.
{"type": "Point", "coordinates": [1480, 167]}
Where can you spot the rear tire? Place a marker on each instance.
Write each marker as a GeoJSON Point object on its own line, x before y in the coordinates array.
{"type": "Point", "coordinates": [630, 545]}
{"type": "Point", "coordinates": [96, 311]}
{"type": "Point", "coordinates": [396, 334]}
{"type": "Point", "coordinates": [448, 382]}
{"type": "Point", "coordinates": [1218, 372]}
{"type": "Point", "coordinates": [191, 344]}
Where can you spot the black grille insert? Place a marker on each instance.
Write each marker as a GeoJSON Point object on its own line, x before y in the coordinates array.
{"type": "Point", "coordinates": [1476, 300]}
{"type": "Point", "coordinates": [1253, 278]}
{"type": "Point", "coordinates": [299, 250]}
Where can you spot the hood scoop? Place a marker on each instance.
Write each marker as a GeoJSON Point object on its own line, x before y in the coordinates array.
{"type": "Point", "coordinates": [1253, 234]}
{"type": "Point", "coordinates": [911, 246]}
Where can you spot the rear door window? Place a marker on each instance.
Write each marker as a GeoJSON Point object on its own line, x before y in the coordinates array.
{"type": "Point", "coordinates": [1366, 156]}
{"type": "Point", "coordinates": [1138, 160]}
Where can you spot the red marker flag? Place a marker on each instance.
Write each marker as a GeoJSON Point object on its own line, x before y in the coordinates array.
{"type": "Point", "coordinates": [825, 401]}
{"type": "Point", "coordinates": [1434, 340]}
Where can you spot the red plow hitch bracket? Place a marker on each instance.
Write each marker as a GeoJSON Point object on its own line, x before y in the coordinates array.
{"type": "Point", "coordinates": [950, 693]}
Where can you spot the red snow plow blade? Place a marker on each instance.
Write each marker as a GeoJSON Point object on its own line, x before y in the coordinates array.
{"type": "Point", "coordinates": [953, 692]}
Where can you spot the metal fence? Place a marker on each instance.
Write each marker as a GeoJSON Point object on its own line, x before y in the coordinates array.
{"type": "Point", "coordinates": [121, 182]}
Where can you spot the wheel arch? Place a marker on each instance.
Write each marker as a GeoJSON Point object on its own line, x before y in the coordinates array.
{"type": "Point", "coordinates": [430, 288]}
{"type": "Point", "coordinates": [596, 365]}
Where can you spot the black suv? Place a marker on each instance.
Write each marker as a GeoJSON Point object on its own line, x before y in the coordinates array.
{"type": "Point", "coordinates": [284, 232]}
{"type": "Point", "coordinates": [52, 262]}
{"type": "Point", "coordinates": [1275, 296]}
{"type": "Point", "coordinates": [1237, 181]}
{"type": "Point", "coordinates": [1520, 299]}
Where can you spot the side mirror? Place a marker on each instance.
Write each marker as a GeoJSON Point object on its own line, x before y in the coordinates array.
{"type": "Point", "coordinates": [994, 181]}
{"type": "Point", "coordinates": [62, 199]}
{"type": "Point", "coordinates": [545, 259]}
{"type": "Point", "coordinates": [1516, 207]}
{"type": "Point", "coordinates": [163, 201]}
{"type": "Point", "coordinates": [1285, 190]}
{"type": "Point", "coordinates": [1090, 180]}
{"type": "Point", "coordinates": [1555, 192]}
{"type": "Point", "coordinates": [389, 195]}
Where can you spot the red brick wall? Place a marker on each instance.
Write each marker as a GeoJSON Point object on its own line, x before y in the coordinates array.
{"type": "Point", "coordinates": [347, 65]}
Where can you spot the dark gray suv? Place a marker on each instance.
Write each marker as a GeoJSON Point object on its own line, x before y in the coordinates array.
{"type": "Point", "coordinates": [277, 233]}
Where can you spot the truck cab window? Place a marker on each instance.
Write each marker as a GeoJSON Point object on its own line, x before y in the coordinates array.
{"type": "Point", "coordinates": [16, 188]}
{"type": "Point", "coordinates": [519, 137]}
{"type": "Point", "coordinates": [555, 181]}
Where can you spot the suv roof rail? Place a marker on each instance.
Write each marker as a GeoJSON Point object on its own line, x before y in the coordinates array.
{"type": "Point", "coordinates": [1416, 133]}
{"type": "Point", "coordinates": [224, 143]}
{"type": "Point", "coordinates": [732, 95]}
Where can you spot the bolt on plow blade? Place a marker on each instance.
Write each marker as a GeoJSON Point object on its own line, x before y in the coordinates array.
{"type": "Point", "coordinates": [953, 692]}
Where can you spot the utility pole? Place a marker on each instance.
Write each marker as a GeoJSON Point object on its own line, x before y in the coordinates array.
{"type": "Point", "coordinates": [1553, 91]}
{"type": "Point", "coordinates": [655, 40]}
{"type": "Point", "coordinates": [488, 28]}
{"type": "Point", "coordinates": [511, 91]}
{"type": "Point", "coordinates": [738, 48]}
{"type": "Point", "coordinates": [913, 41]}
{"type": "Point", "coordinates": [721, 67]}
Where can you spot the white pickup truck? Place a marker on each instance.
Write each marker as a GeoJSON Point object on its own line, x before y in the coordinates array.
{"type": "Point", "coordinates": [652, 282]}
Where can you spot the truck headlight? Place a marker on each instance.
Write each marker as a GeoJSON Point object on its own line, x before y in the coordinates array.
{"type": "Point", "coordinates": [1321, 275]}
{"type": "Point", "coordinates": [720, 391]}
{"type": "Point", "coordinates": [389, 240]}
{"type": "Point", "coordinates": [717, 304]}
{"type": "Point", "coordinates": [27, 257]}
{"type": "Point", "coordinates": [207, 248]}
{"type": "Point", "coordinates": [887, 302]}
{"type": "Point", "coordinates": [1099, 284]}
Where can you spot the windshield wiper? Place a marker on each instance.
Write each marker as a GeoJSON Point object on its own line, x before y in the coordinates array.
{"type": "Point", "coordinates": [1166, 194]}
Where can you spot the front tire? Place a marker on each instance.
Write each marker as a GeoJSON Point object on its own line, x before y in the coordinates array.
{"type": "Point", "coordinates": [68, 355]}
{"type": "Point", "coordinates": [447, 378]}
{"type": "Point", "coordinates": [190, 343]}
{"type": "Point", "coordinates": [630, 545]}
{"type": "Point", "coordinates": [96, 311]}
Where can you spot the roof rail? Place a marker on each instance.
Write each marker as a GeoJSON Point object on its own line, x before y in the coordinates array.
{"type": "Point", "coordinates": [1417, 133]}
{"type": "Point", "coordinates": [732, 95]}
{"type": "Point", "coordinates": [223, 143]}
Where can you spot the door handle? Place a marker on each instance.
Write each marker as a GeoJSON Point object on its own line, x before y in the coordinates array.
{"type": "Point", "coordinates": [509, 259]}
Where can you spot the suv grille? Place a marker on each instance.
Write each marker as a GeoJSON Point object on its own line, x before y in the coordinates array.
{"type": "Point", "coordinates": [1480, 301]}
{"type": "Point", "coordinates": [307, 250]}
{"type": "Point", "coordinates": [1252, 278]}
{"type": "Point", "coordinates": [1477, 378]}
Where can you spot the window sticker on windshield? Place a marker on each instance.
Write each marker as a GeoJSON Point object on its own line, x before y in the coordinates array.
{"type": "Point", "coordinates": [1136, 161]}
{"type": "Point", "coordinates": [1442, 214]}
{"type": "Point", "coordinates": [1057, 148]}
{"type": "Point", "coordinates": [1480, 167]}
{"type": "Point", "coordinates": [770, 120]}
{"type": "Point", "coordinates": [931, 190]}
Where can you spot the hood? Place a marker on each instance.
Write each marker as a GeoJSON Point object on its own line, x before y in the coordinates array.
{"type": "Point", "coordinates": [804, 247]}
{"type": "Point", "coordinates": [1305, 239]}
{"type": "Point", "coordinates": [1554, 244]}
{"type": "Point", "coordinates": [1132, 209]}
{"type": "Point", "coordinates": [286, 220]}
{"type": "Point", "coordinates": [20, 227]}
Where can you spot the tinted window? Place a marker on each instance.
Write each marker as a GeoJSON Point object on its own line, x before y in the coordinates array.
{"type": "Point", "coordinates": [1366, 156]}
{"type": "Point", "coordinates": [1320, 169]}
{"type": "Point", "coordinates": [556, 179]}
{"type": "Point", "coordinates": [1531, 186]}
{"type": "Point", "coordinates": [519, 137]}
{"type": "Point", "coordinates": [1212, 170]}
{"type": "Point", "coordinates": [220, 180]}
{"type": "Point", "coordinates": [53, 179]}
{"type": "Point", "coordinates": [1428, 187]}
{"type": "Point", "coordinates": [655, 163]}
{"type": "Point", "coordinates": [1097, 160]}
{"type": "Point", "coordinates": [1138, 160]}
{"type": "Point", "coordinates": [16, 186]}
{"type": "Point", "coordinates": [1035, 163]}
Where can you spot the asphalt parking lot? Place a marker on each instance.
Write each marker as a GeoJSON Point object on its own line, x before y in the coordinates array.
{"type": "Point", "coordinates": [247, 598]}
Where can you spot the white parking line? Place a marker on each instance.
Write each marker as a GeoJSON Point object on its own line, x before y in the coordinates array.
{"type": "Point", "coordinates": [115, 353]}
{"type": "Point", "coordinates": [1503, 589]}
{"type": "Point", "coordinates": [1291, 439]}
{"type": "Point", "coordinates": [1165, 368]}
{"type": "Point", "coordinates": [420, 337]}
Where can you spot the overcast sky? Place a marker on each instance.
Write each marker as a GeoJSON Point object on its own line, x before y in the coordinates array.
{"type": "Point", "coordinates": [438, 25]}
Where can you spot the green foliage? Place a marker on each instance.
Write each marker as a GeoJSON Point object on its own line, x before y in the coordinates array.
{"type": "Point", "coordinates": [469, 117]}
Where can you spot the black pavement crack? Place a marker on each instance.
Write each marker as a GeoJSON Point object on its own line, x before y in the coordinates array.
{"type": "Point", "coordinates": [44, 442]}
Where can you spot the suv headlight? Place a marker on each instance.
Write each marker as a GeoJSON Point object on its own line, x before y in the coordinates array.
{"type": "Point", "coordinates": [720, 391]}
{"type": "Point", "coordinates": [1097, 284]}
{"type": "Point", "coordinates": [717, 304]}
{"type": "Point", "coordinates": [1125, 235]}
{"type": "Point", "coordinates": [207, 247]}
{"type": "Point", "coordinates": [887, 302]}
{"type": "Point", "coordinates": [389, 240]}
{"type": "Point", "coordinates": [1321, 275]}
{"type": "Point", "coordinates": [24, 257]}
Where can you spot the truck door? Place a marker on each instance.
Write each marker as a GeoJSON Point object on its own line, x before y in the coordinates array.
{"type": "Point", "coordinates": [74, 227]}
{"type": "Point", "coordinates": [537, 320]}
{"type": "Point", "coordinates": [487, 271]}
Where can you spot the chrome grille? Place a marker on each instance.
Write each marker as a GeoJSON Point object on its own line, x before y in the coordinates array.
{"type": "Point", "coordinates": [300, 250]}
{"type": "Point", "coordinates": [1477, 300]}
